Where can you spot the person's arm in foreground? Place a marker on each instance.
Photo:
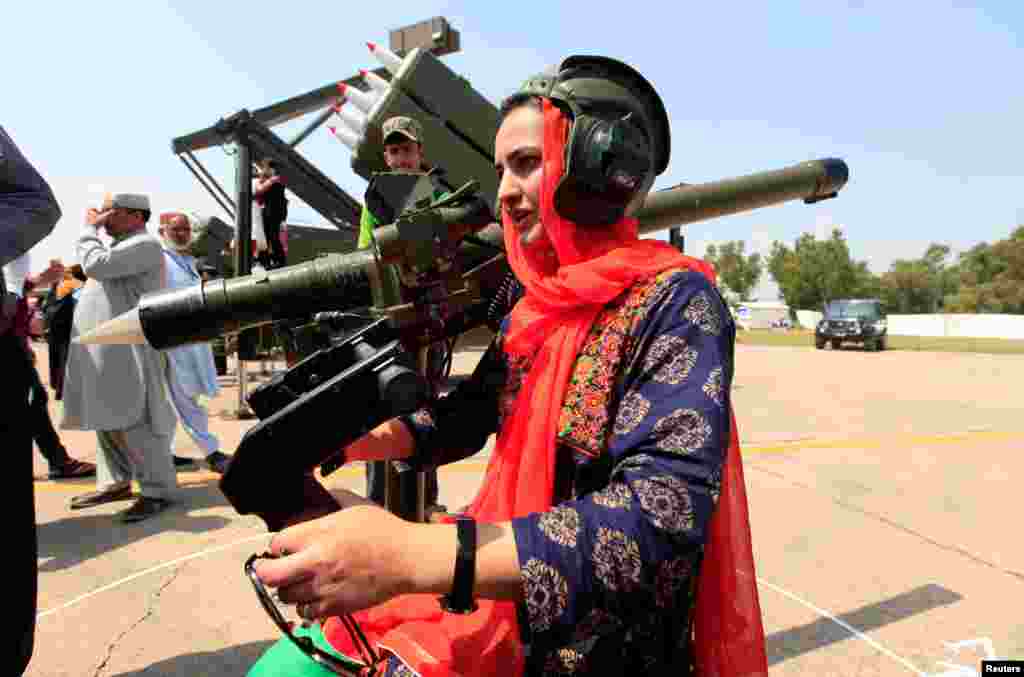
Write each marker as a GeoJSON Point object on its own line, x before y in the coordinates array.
{"type": "Point", "coordinates": [667, 449]}
{"type": "Point", "coordinates": [28, 209]}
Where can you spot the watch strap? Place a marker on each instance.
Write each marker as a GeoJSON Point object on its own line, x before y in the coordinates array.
{"type": "Point", "coordinates": [460, 599]}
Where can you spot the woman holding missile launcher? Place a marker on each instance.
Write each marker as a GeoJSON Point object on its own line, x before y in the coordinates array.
{"type": "Point", "coordinates": [610, 533]}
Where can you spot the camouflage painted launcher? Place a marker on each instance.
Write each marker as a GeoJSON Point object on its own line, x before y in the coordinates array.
{"type": "Point", "coordinates": [344, 281]}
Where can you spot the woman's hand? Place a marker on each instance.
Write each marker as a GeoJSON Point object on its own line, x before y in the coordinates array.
{"type": "Point", "coordinates": [353, 559]}
{"type": "Point", "coordinates": [363, 555]}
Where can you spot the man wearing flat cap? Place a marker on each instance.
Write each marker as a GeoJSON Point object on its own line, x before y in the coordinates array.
{"type": "Point", "coordinates": [119, 390]}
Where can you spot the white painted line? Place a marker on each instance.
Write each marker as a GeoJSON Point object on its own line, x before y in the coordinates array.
{"type": "Point", "coordinates": [846, 626]}
{"type": "Point", "coordinates": [140, 574]}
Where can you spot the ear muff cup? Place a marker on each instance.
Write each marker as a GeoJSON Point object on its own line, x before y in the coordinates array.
{"type": "Point", "coordinates": [608, 160]}
{"type": "Point", "coordinates": [620, 125]}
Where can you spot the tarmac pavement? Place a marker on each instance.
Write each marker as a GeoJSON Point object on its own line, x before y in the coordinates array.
{"type": "Point", "coordinates": [882, 503]}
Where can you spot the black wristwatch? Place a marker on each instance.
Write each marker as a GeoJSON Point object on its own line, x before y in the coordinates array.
{"type": "Point", "coordinates": [460, 599]}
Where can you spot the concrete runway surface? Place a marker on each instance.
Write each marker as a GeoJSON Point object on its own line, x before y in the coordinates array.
{"type": "Point", "coordinates": [882, 497]}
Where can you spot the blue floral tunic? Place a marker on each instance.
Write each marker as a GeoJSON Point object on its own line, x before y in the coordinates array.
{"type": "Point", "coordinates": [609, 572]}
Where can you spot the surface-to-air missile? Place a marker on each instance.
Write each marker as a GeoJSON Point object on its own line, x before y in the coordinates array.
{"type": "Point", "coordinates": [345, 135]}
{"type": "Point", "coordinates": [386, 57]}
{"type": "Point", "coordinates": [375, 81]}
{"type": "Point", "coordinates": [342, 281]}
{"type": "Point", "coordinates": [354, 121]}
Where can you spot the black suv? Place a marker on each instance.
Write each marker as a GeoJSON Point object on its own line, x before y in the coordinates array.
{"type": "Point", "coordinates": [860, 321]}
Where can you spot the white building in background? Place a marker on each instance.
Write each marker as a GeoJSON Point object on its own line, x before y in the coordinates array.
{"type": "Point", "coordinates": [808, 319]}
{"type": "Point", "coordinates": [761, 314]}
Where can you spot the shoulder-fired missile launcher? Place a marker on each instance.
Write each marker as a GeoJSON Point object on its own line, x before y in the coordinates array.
{"type": "Point", "coordinates": [343, 281]}
{"type": "Point", "coordinates": [448, 257]}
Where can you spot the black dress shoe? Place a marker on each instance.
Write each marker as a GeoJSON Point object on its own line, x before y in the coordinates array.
{"type": "Point", "coordinates": [94, 498]}
{"type": "Point", "coordinates": [144, 508]}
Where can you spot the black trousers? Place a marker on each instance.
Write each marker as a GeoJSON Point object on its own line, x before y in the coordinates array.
{"type": "Point", "coordinates": [43, 432]}
{"type": "Point", "coordinates": [22, 550]}
{"type": "Point", "coordinates": [276, 256]}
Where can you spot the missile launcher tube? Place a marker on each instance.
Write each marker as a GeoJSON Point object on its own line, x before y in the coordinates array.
{"type": "Point", "coordinates": [808, 181]}
{"type": "Point", "coordinates": [202, 312]}
{"type": "Point", "coordinates": [344, 281]}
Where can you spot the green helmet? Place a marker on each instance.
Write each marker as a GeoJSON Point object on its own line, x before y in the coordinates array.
{"type": "Point", "coordinates": [619, 139]}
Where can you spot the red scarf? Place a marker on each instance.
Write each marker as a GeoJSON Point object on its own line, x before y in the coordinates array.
{"type": "Point", "coordinates": [564, 295]}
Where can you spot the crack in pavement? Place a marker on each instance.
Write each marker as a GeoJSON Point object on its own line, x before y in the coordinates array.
{"type": "Point", "coordinates": [150, 608]}
{"type": "Point", "coordinates": [894, 524]}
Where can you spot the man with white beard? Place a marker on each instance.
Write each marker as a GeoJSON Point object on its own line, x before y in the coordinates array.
{"type": "Point", "coordinates": [191, 372]}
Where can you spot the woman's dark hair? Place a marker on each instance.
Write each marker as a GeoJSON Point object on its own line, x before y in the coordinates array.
{"type": "Point", "coordinates": [518, 100]}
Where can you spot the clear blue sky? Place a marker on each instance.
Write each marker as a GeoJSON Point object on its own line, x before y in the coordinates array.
{"type": "Point", "coordinates": [922, 99]}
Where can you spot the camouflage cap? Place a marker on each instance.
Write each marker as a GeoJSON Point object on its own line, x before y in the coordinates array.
{"type": "Point", "coordinates": [407, 127]}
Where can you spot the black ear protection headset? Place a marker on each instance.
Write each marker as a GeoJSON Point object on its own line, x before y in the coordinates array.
{"type": "Point", "coordinates": [619, 139]}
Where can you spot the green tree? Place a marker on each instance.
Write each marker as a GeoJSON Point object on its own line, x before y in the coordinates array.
{"type": "Point", "coordinates": [980, 265]}
{"type": "Point", "coordinates": [815, 272]}
{"type": "Point", "coordinates": [920, 285]}
{"type": "Point", "coordinates": [738, 271]}
{"type": "Point", "coordinates": [991, 278]}
{"type": "Point", "coordinates": [908, 288]}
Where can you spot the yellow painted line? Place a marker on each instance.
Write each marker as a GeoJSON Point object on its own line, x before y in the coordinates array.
{"type": "Point", "coordinates": [205, 477]}
{"type": "Point", "coordinates": [877, 442]}
{"type": "Point", "coordinates": [191, 479]}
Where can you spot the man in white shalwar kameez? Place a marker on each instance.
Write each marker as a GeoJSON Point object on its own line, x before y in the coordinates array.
{"type": "Point", "coordinates": [118, 390]}
{"type": "Point", "coordinates": [191, 372]}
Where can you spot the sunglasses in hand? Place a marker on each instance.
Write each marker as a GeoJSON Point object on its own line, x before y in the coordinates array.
{"type": "Point", "coordinates": [366, 666]}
